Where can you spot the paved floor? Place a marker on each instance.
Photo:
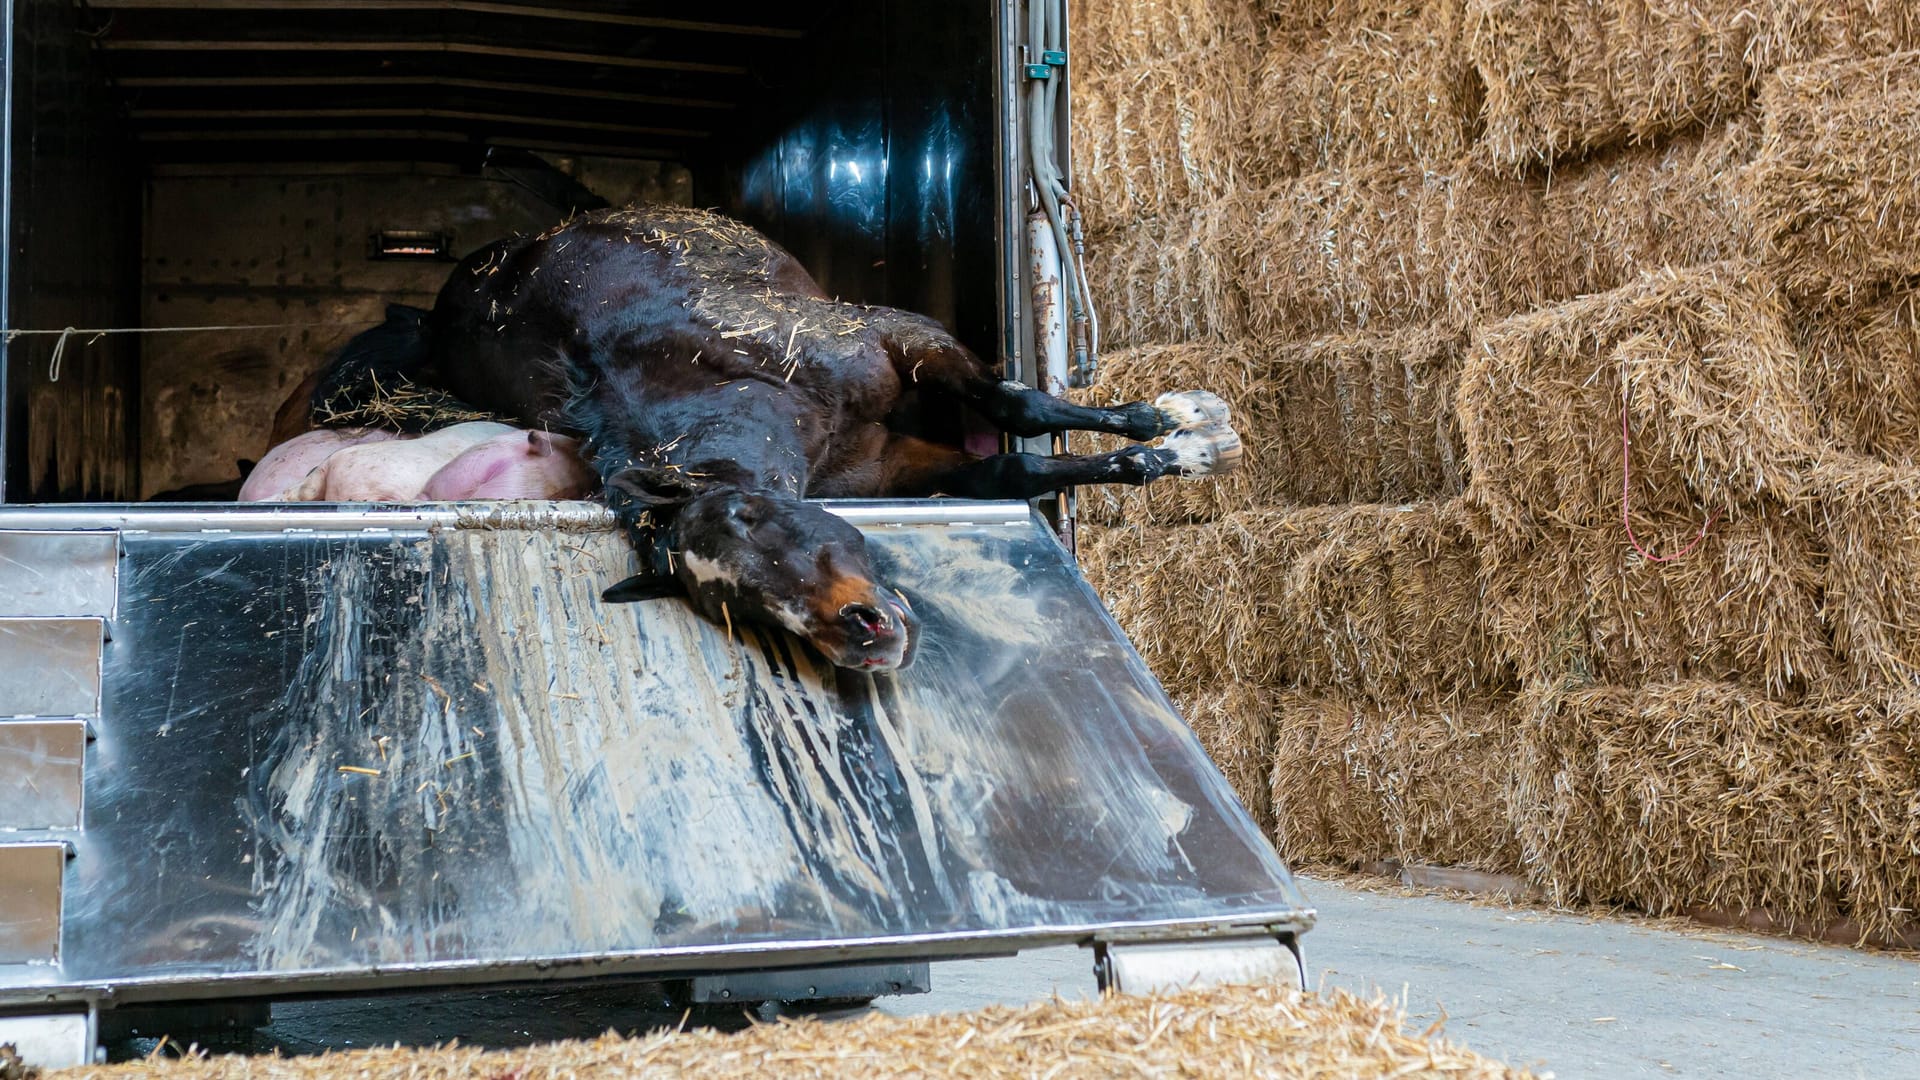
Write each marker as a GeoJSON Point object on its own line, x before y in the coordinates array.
{"type": "Point", "coordinates": [1580, 998]}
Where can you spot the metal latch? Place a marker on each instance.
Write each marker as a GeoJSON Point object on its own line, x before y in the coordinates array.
{"type": "Point", "coordinates": [1144, 967]}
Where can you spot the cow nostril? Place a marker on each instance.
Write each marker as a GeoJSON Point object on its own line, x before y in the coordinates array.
{"type": "Point", "coordinates": [871, 619]}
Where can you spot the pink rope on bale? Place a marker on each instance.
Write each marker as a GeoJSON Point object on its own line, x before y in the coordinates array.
{"type": "Point", "coordinates": [1626, 488]}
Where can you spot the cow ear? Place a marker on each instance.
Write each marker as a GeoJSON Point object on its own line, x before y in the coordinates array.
{"type": "Point", "coordinates": [642, 587]}
{"type": "Point", "coordinates": [653, 488]}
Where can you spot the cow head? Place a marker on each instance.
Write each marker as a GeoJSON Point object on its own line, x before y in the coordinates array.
{"type": "Point", "coordinates": [760, 557]}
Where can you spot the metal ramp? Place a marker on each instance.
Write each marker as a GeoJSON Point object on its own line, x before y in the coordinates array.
{"type": "Point", "coordinates": [264, 751]}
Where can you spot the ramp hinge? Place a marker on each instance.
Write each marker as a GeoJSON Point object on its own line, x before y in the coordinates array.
{"type": "Point", "coordinates": [1143, 967]}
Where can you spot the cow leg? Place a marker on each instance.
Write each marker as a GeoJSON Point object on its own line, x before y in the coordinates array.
{"type": "Point", "coordinates": [925, 355]}
{"type": "Point", "coordinates": [913, 468]}
{"type": "Point", "coordinates": [1022, 411]}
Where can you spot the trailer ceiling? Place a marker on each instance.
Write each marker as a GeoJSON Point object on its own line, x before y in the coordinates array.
{"type": "Point", "coordinates": [361, 80]}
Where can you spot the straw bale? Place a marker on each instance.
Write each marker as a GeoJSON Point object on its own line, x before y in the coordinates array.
{"type": "Point", "coordinates": [1612, 217]}
{"type": "Point", "coordinates": [1175, 278]}
{"type": "Point", "coordinates": [1364, 599]}
{"type": "Point", "coordinates": [1863, 358]}
{"type": "Point", "coordinates": [1578, 606]}
{"type": "Point", "coordinates": [1154, 137]}
{"type": "Point", "coordinates": [1795, 31]}
{"type": "Point", "coordinates": [1200, 601]}
{"type": "Point", "coordinates": [1387, 83]}
{"type": "Point", "coordinates": [1701, 793]}
{"type": "Point", "coordinates": [1348, 250]}
{"type": "Point", "coordinates": [1868, 515]}
{"type": "Point", "coordinates": [1235, 725]}
{"type": "Point", "coordinates": [1565, 77]}
{"type": "Point", "coordinates": [1833, 195]}
{"type": "Point", "coordinates": [1357, 780]}
{"type": "Point", "coordinates": [1383, 246]}
{"type": "Point", "coordinates": [1388, 603]}
{"type": "Point", "coordinates": [1717, 404]}
{"type": "Point", "coordinates": [1108, 34]}
{"type": "Point", "coordinates": [1262, 1030]}
{"type": "Point", "coordinates": [1348, 418]}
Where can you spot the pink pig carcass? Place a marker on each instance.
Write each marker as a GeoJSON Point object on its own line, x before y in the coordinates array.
{"type": "Point", "coordinates": [289, 463]}
{"type": "Point", "coordinates": [520, 465]}
{"type": "Point", "coordinates": [396, 470]}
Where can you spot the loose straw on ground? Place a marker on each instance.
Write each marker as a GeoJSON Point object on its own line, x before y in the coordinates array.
{"type": "Point", "coordinates": [1226, 1031]}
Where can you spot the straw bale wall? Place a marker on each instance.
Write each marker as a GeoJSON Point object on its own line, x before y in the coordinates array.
{"type": "Point", "coordinates": [1564, 78]}
{"type": "Point", "coordinates": [1863, 358]}
{"type": "Point", "coordinates": [1575, 350]}
{"type": "Point", "coordinates": [1673, 795]}
{"type": "Point", "coordinates": [1156, 136]}
{"type": "Point", "coordinates": [1171, 278]}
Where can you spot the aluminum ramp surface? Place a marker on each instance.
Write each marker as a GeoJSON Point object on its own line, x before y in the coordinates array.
{"type": "Point", "coordinates": [355, 748]}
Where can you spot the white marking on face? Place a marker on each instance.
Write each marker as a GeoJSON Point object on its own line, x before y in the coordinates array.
{"type": "Point", "coordinates": [794, 619]}
{"type": "Point", "coordinates": [707, 571]}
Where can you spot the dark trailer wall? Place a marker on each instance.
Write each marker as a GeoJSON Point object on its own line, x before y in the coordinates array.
{"type": "Point", "coordinates": [225, 162]}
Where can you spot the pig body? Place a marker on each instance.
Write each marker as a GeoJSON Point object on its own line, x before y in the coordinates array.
{"type": "Point", "coordinates": [520, 465]}
{"type": "Point", "coordinates": [392, 470]}
{"type": "Point", "coordinates": [288, 463]}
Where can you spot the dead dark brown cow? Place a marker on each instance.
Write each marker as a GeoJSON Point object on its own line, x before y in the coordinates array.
{"type": "Point", "coordinates": [715, 387]}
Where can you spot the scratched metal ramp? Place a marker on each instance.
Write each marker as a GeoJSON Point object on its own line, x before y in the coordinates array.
{"type": "Point", "coordinates": [339, 748]}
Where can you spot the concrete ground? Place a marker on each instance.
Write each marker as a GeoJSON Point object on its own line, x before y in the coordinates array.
{"type": "Point", "coordinates": [1563, 994]}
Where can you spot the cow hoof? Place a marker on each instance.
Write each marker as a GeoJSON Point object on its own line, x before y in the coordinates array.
{"type": "Point", "coordinates": [1185, 409]}
{"type": "Point", "coordinates": [1208, 450]}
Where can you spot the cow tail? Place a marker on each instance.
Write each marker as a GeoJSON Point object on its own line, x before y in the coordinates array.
{"type": "Point", "coordinates": [379, 379]}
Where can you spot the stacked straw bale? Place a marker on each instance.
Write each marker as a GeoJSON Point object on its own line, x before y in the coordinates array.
{"type": "Point", "coordinates": [1578, 606]}
{"type": "Point", "coordinates": [1449, 610]}
{"type": "Point", "coordinates": [1157, 136]}
{"type": "Point", "coordinates": [1171, 278]}
{"type": "Point", "coordinates": [1566, 77]}
{"type": "Point", "coordinates": [1360, 599]}
{"type": "Point", "coordinates": [1235, 724]}
{"type": "Point", "coordinates": [1834, 195]}
{"type": "Point", "coordinates": [1863, 357]}
{"type": "Point", "coordinates": [1607, 220]}
{"type": "Point", "coordinates": [1674, 795]}
{"type": "Point", "coordinates": [1701, 362]}
{"type": "Point", "coordinates": [1347, 418]}
{"type": "Point", "coordinates": [1109, 35]}
{"type": "Point", "coordinates": [1868, 515]}
{"type": "Point", "coordinates": [1390, 245]}
{"type": "Point", "coordinates": [1200, 601]}
{"type": "Point", "coordinates": [1386, 81]}
{"type": "Point", "coordinates": [1360, 780]}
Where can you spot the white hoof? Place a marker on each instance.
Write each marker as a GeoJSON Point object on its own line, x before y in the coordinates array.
{"type": "Point", "coordinates": [1209, 450]}
{"type": "Point", "coordinates": [1192, 408]}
